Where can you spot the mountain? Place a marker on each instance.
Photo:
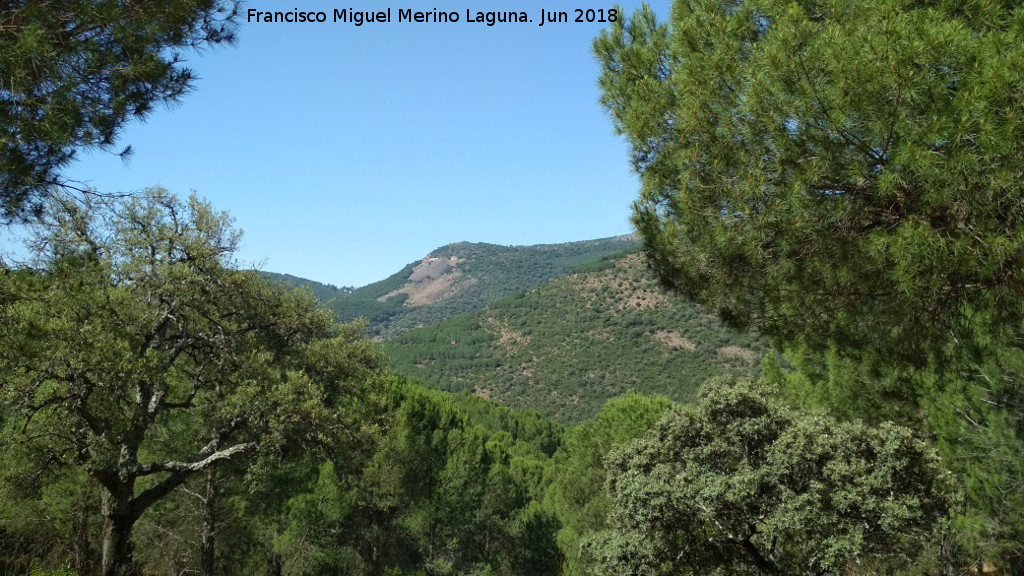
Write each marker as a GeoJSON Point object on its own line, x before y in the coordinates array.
{"type": "Point", "coordinates": [558, 328]}
{"type": "Point", "coordinates": [566, 347]}
{"type": "Point", "coordinates": [464, 277]}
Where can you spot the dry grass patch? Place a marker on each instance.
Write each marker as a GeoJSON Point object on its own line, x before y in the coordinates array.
{"type": "Point", "coordinates": [733, 355]}
{"type": "Point", "coordinates": [525, 371]}
{"type": "Point", "coordinates": [674, 340]}
{"type": "Point", "coordinates": [430, 269]}
{"type": "Point", "coordinates": [509, 340]}
{"type": "Point", "coordinates": [431, 291]}
{"type": "Point", "coordinates": [590, 285]}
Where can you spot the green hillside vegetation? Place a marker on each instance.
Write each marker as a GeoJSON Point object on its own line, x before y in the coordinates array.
{"type": "Point", "coordinates": [566, 347]}
{"type": "Point", "coordinates": [325, 293]}
{"type": "Point", "coordinates": [464, 277]}
{"type": "Point", "coordinates": [446, 485]}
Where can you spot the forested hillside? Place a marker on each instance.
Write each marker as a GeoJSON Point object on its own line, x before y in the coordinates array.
{"type": "Point", "coordinates": [464, 277]}
{"type": "Point", "coordinates": [325, 293]}
{"type": "Point", "coordinates": [566, 347]}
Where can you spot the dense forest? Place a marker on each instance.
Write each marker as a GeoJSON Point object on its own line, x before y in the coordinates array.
{"type": "Point", "coordinates": [830, 191]}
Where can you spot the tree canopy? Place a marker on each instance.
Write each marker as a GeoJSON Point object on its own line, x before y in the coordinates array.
{"type": "Point", "coordinates": [136, 351]}
{"type": "Point", "coordinates": [832, 171]}
{"type": "Point", "coordinates": [75, 72]}
{"type": "Point", "coordinates": [740, 484]}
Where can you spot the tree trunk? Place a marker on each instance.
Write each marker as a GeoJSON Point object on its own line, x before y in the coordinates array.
{"type": "Point", "coordinates": [950, 557]}
{"type": "Point", "coordinates": [83, 554]}
{"type": "Point", "coordinates": [274, 565]}
{"type": "Point", "coordinates": [119, 519]}
{"type": "Point", "coordinates": [209, 523]}
{"type": "Point", "coordinates": [764, 565]}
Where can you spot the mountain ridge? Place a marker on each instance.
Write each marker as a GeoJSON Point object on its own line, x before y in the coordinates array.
{"type": "Point", "coordinates": [464, 277]}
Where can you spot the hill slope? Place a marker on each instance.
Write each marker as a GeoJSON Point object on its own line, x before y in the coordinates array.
{"type": "Point", "coordinates": [323, 292]}
{"type": "Point", "coordinates": [566, 347]}
{"type": "Point", "coordinates": [464, 277]}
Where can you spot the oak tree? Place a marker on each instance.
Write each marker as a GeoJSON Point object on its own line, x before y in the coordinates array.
{"type": "Point", "coordinates": [740, 484]}
{"type": "Point", "coordinates": [136, 350]}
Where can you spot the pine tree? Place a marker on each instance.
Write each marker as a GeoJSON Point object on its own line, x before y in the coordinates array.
{"type": "Point", "coordinates": [75, 72]}
{"type": "Point", "coordinates": [830, 171]}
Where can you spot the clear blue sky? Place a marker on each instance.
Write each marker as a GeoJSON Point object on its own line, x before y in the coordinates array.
{"type": "Point", "coordinates": [346, 152]}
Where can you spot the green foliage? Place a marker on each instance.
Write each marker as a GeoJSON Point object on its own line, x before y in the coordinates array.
{"type": "Point", "coordinates": [313, 542]}
{"type": "Point", "coordinates": [138, 355]}
{"type": "Point", "coordinates": [363, 302]}
{"type": "Point", "coordinates": [325, 293]}
{"type": "Point", "coordinates": [568, 346]}
{"type": "Point", "coordinates": [840, 172]}
{"type": "Point", "coordinates": [441, 495]}
{"type": "Point", "coordinates": [606, 262]}
{"type": "Point", "coordinates": [740, 484]}
{"type": "Point", "coordinates": [48, 513]}
{"type": "Point", "coordinates": [576, 494]}
{"type": "Point", "coordinates": [845, 177]}
{"type": "Point", "coordinates": [845, 385]}
{"type": "Point", "coordinates": [75, 72]}
{"type": "Point", "coordinates": [37, 570]}
{"type": "Point", "coordinates": [529, 426]}
{"type": "Point", "coordinates": [979, 425]}
{"type": "Point", "coordinates": [972, 413]}
{"type": "Point", "coordinates": [482, 274]}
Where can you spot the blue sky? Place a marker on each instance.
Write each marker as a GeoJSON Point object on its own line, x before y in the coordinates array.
{"type": "Point", "coordinates": [346, 152]}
